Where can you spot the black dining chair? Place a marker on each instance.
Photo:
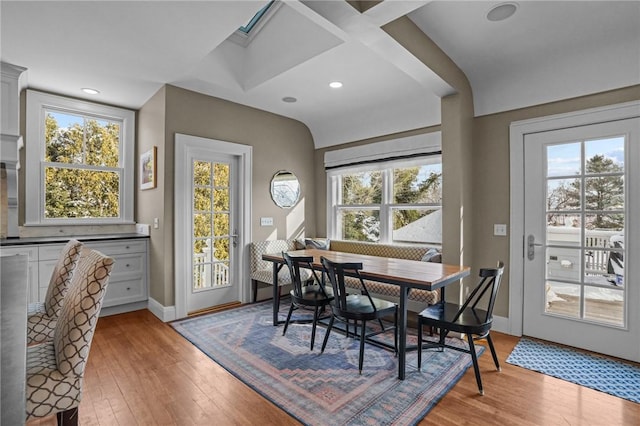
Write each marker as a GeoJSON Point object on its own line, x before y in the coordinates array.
{"type": "Point", "coordinates": [306, 293]}
{"type": "Point", "coordinates": [357, 307]}
{"type": "Point", "coordinates": [467, 319]}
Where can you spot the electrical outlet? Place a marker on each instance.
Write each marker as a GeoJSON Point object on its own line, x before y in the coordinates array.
{"type": "Point", "coordinates": [500, 229]}
{"type": "Point", "coordinates": [156, 223]}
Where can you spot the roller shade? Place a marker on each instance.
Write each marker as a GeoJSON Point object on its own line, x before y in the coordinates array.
{"type": "Point", "coordinates": [395, 149]}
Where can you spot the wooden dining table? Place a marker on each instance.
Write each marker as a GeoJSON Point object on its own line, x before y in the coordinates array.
{"type": "Point", "coordinates": [406, 274]}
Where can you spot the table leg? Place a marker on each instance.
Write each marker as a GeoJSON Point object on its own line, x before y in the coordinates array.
{"type": "Point", "coordinates": [402, 332]}
{"type": "Point", "coordinates": [276, 294]}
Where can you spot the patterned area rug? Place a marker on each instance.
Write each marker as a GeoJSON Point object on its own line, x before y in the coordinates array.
{"type": "Point", "coordinates": [603, 374]}
{"type": "Point", "coordinates": [323, 388]}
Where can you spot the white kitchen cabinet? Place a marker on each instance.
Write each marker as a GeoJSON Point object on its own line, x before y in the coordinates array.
{"type": "Point", "coordinates": [32, 274]}
{"type": "Point", "coordinates": [128, 282]}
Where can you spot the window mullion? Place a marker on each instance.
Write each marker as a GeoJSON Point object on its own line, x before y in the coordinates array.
{"type": "Point", "coordinates": [385, 213]}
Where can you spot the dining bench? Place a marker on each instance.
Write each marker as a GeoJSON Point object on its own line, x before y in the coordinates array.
{"type": "Point", "coordinates": [261, 271]}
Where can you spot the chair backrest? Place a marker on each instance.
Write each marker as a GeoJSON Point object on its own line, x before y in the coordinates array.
{"type": "Point", "coordinates": [81, 308]}
{"type": "Point", "coordinates": [336, 272]}
{"type": "Point", "coordinates": [489, 285]}
{"type": "Point", "coordinates": [293, 262]}
{"type": "Point", "coordinates": [61, 277]}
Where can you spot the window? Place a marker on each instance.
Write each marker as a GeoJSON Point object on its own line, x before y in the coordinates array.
{"type": "Point", "coordinates": [79, 161]}
{"type": "Point", "coordinates": [393, 202]}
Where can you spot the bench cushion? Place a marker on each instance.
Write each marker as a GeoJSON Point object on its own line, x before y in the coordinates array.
{"type": "Point", "coordinates": [387, 250]}
{"type": "Point", "coordinates": [262, 271]}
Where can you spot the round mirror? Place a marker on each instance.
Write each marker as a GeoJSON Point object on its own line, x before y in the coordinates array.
{"type": "Point", "coordinates": [285, 189]}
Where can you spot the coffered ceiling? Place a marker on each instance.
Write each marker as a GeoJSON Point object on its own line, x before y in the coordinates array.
{"type": "Point", "coordinates": [128, 49]}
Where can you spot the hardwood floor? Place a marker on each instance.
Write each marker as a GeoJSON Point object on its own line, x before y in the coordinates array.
{"type": "Point", "coordinates": [141, 372]}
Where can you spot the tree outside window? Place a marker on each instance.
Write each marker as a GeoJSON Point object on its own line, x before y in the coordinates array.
{"type": "Point", "coordinates": [392, 204]}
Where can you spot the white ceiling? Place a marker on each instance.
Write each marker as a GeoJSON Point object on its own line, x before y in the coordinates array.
{"type": "Point", "coordinates": [129, 49]}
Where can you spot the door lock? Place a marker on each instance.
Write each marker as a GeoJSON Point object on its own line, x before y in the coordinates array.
{"type": "Point", "coordinates": [531, 245]}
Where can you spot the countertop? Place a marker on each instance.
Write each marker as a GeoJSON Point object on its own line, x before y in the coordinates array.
{"type": "Point", "coordinates": [64, 238]}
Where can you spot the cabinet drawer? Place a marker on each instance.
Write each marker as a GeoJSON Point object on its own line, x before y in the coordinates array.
{"type": "Point", "coordinates": [31, 251]}
{"type": "Point", "coordinates": [45, 270]}
{"type": "Point", "coordinates": [120, 247]}
{"type": "Point", "coordinates": [127, 266]}
{"type": "Point", "coordinates": [42, 294]}
{"type": "Point", "coordinates": [50, 252]}
{"type": "Point", "coordinates": [119, 292]}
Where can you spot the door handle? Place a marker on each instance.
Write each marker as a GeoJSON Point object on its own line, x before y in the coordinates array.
{"type": "Point", "coordinates": [531, 245]}
{"type": "Point", "coordinates": [234, 238]}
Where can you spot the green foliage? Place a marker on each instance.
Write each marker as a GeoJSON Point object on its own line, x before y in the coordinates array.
{"type": "Point", "coordinates": [366, 188]}
{"type": "Point", "coordinates": [75, 192]}
{"type": "Point", "coordinates": [211, 208]}
{"type": "Point", "coordinates": [409, 189]}
{"type": "Point", "coordinates": [602, 193]}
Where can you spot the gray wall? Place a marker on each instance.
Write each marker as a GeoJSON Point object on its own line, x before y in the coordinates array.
{"type": "Point", "coordinates": [488, 184]}
{"type": "Point", "coordinates": [491, 174]}
{"type": "Point", "coordinates": [279, 143]}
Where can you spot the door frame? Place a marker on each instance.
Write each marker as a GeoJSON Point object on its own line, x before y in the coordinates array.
{"type": "Point", "coordinates": [517, 132]}
{"type": "Point", "coordinates": [184, 145]}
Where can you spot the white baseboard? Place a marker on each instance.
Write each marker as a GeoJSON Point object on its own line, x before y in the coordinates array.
{"type": "Point", "coordinates": [501, 325]}
{"type": "Point", "coordinates": [165, 313]}
{"type": "Point", "coordinates": [121, 309]}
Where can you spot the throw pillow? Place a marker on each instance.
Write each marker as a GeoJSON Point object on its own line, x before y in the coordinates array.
{"type": "Point", "coordinates": [432, 255]}
{"type": "Point", "coordinates": [299, 244]}
{"type": "Point", "coordinates": [317, 243]}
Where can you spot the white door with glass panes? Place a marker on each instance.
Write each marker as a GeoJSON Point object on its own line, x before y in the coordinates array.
{"type": "Point", "coordinates": [213, 239]}
{"type": "Point", "coordinates": [581, 250]}
{"type": "Point", "coordinates": [212, 222]}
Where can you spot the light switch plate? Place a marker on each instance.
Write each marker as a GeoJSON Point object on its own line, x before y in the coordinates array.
{"type": "Point", "coordinates": [142, 228]}
{"type": "Point", "coordinates": [266, 221]}
{"type": "Point", "coordinates": [500, 229]}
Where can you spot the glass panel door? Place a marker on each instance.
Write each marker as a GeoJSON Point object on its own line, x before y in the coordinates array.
{"type": "Point", "coordinates": [580, 217]}
{"type": "Point", "coordinates": [585, 214]}
{"type": "Point", "coordinates": [211, 235]}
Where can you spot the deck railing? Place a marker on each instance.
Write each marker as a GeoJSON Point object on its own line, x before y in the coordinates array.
{"type": "Point", "coordinates": [597, 247]}
{"type": "Point", "coordinates": [208, 271]}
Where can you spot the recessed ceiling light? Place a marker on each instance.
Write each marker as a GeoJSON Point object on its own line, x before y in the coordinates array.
{"type": "Point", "coordinates": [289, 99]}
{"type": "Point", "coordinates": [90, 91]}
{"type": "Point", "coordinates": [502, 11]}
{"type": "Point", "coordinates": [335, 84]}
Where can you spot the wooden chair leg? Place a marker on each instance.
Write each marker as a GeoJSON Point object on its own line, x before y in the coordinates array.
{"type": "Point", "coordinates": [313, 327]}
{"type": "Point", "coordinates": [254, 288]}
{"type": "Point", "coordinates": [286, 323]}
{"type": "Point", "coordinates": [474, 358]}
{"type": "Point", "coordinates": [420, 344]}
{"type": "Point", "coordinates": [326, 336]}
{"type": "Point", "coordinates": [363, 332]}
{"type": "Point", "coordinates": [493, 352]}
{"type": "Point", "coordinates": [68, 417]}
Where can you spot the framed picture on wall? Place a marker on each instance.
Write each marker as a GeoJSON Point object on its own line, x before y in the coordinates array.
{"type": "Point", "coordinates": [148, 169]}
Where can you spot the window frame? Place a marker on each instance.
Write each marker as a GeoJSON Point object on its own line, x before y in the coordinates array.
{"type": "Point", "coordinates": [35, 189]}
{"type": "Point", "coordinates": [386, 207]}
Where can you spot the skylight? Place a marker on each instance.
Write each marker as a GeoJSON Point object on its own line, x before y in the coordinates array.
{"type": "Point", "coordinates": [252, 23]}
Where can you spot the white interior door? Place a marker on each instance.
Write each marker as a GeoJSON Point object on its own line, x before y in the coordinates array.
{"type": "Point", "coordinates": [213, 231]}
{"type": "Point", "coordinates": [581, 222]}
{"type": "Point", "coordinates": [212, 222]}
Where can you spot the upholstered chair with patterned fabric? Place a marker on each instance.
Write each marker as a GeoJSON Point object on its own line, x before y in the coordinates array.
{"type": "Point", "coordinates": [55, 369]}
{"type": "Point", "coordinates": [43, 316]}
